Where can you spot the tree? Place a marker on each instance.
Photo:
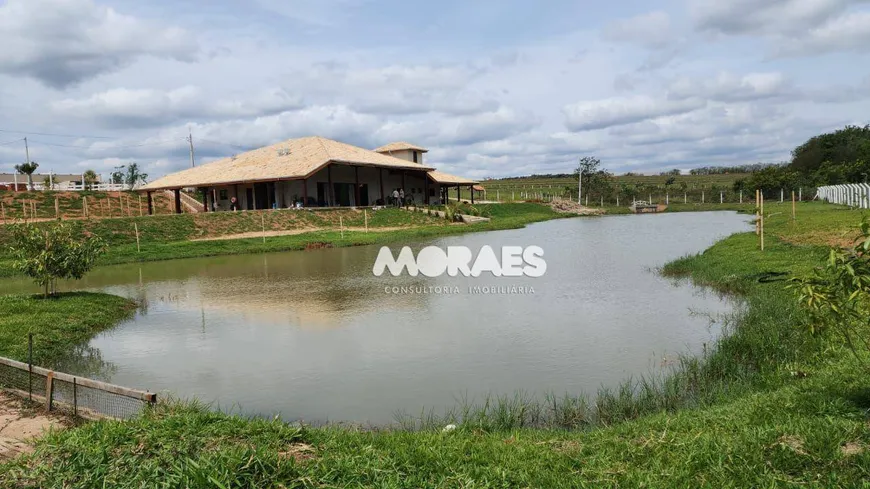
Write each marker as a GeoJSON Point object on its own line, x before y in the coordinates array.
{"type": "Point", "coordinates": [49, 253]}
{"type": "Point", "coordinates": [90, 178]}
{"type": "Point", "coordinates": [594, 179]}
{"type": "Point", "coordinates": [670, 181]}
{"type": "Point", "coordinates": [837, 296]}
{"type": "Point", "coordinates": [28, 169]}
{"type": "Point", "coordinates": [134, 175]}
{"type": "Point", "coordinates": [129, 175]}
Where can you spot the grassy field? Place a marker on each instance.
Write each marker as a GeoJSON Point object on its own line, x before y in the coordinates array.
{"type": "Point", "coordinates": [769, 406]}
{"type": "Point", "coordinates": [182, 236]}
{"type": "Point", "coordinates": [57, 323]}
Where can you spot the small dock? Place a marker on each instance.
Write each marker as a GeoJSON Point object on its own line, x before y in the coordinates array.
{"type": "Point", "coordinates": [641, 207]}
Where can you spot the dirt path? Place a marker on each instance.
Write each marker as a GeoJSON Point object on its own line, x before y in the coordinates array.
{"type": "Point", "coordinates": [19, 424]}
{"type": "Point", "coordinates": [292, 232]}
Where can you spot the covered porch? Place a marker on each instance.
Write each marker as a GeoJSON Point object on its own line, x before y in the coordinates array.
{"type": "Point", "coordinates": [335, 185]}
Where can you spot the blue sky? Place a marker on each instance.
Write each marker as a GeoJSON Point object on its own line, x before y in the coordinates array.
{"type": "Point", "coordinates": [492, 88]}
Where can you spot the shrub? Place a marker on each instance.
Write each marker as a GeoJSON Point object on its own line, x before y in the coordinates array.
{"type": "Point", "coordinates": [49, 253]}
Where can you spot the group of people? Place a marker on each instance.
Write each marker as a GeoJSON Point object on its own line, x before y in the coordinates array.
{"type": "Point", "coordinates": [397, 198]}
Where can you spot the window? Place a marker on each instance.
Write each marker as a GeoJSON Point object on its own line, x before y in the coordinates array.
{"type": "Point", "coordinates": [223, 194]}
{"type": "Point", "coordinates": [415, 156]}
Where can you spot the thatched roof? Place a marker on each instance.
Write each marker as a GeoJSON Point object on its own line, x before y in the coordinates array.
{"type": "Point", "coordinates": [292, 159]}
{"type": "Point", "coordinates": [399, 146]}
{"type": "Point", "coordinates": [448, 179]}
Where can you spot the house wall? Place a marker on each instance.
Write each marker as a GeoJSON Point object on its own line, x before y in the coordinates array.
{"type": "Point", "coordinates": [290, 191]}
{"type": "Point", "coordinates": [406, 154]}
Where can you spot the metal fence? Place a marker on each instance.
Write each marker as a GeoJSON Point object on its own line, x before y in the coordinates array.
{"type": "Point", "coordinates": [851, 194]}
{"type": "Point", "coordinates": [79, 396]}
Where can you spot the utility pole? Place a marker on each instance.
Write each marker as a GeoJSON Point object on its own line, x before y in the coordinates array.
{"type": "Point", "coordinates": [190, 140]}
{"type": "Point", "coordinates": [580, 183]}
{"type": "Point", "coordinates": [26, 151]}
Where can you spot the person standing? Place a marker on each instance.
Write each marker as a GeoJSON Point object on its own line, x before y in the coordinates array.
{"type": "Point", "coordinates": [234, 204]}
{"type": "Point", "coordinates": [401, 197]}
{"type": "Point", "coordinates": [396, 197]}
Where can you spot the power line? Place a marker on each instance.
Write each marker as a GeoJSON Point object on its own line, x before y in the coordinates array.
{"type": "Point", "coordinates": [225, 144]}
{"type": "Point", "coordinates": [120, 146]}
{"type": "Point", "coordinates": [57, 135]}
{"type": "Point", "coordinates": [13, 141]}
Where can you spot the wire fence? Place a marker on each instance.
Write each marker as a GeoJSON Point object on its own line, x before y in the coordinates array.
{"type": "Point", "coordinates": [75, 395]}
{"type": "Point", "coordinates": [851, 194]}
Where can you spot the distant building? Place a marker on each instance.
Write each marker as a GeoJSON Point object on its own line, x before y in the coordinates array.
{"type": "Point", "coordinates": [313, 172]}
{"type": "Point", "coordinates": [62, 181]}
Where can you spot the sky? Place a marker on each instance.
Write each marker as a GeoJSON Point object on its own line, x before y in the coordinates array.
{"type": "Point", "coordinates": [492, 88]}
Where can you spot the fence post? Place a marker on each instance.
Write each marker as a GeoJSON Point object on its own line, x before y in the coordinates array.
{"type": "Point", "coordinates": [30, 366]}
{"type": "Point", "coordinates": [49, 390]}
{"type": "Point", "coordinates": [366, 215]}
{"type": "Point", "coordinates": [75, 398]}
{"type": "Point", "coordinates": [3, 211]}
{"type": "Point", "coordinates": [721, 197]}
{"type": "Point", "coordinates": [56, 208]}
{"type": "Point", "coordinates": [340, 225]}
{"type": "Point", "coordinates": [136, 227]}
{"type": "Point", "coordinates": [741, 196]}
{"type": "Point", "coordinates": [781, 196]}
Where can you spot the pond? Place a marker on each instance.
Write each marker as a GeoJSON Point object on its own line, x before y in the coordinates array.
{"type": "Point", "coordinates": [316, 336]}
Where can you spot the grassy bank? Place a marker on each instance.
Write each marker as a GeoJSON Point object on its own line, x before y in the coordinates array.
{"type": "Point", "coordinates": [768, 406]}
{"type": "Point", "coordinates": [57, 323]}
{"type": "Point", "coordinates": [186, 235]}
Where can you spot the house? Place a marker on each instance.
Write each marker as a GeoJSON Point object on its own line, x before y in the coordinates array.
{"type": "Point", "coordinates": [17, 181]}
{"type": "Point", "coordinates": [312, 172]}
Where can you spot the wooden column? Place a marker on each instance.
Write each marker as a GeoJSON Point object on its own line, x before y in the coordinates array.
{"type": "Point", "coordinates": [329, 185]}
{"type": "Point", "coordinates": [381, 178]}
{"type": "Point", "coordinates": [356, 186]}
{"type": "Point", "coordinates": [150, 205]}
{"type": "Point", "coordinates": [425, 188]}
{"type": "Point", "coordinates": [304, 192]}
{"type": "Point", "coordinates": [177, 200]}
{"type": "Point", "coordinates": [458, 197]}
{"type": "Point", "coordinates": [205, 199]}
{"type": "Point", "coordinates": [253, 196]}
{"type": "Point", "coordinates": [471, 187]}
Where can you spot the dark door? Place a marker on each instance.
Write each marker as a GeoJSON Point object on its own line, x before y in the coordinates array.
{"type": "Point", "coordinates": [249, 198]}
{"type": "Point", "coordinates": [261, 193]}
{"type": "Point", "coordinates": [364, 195]}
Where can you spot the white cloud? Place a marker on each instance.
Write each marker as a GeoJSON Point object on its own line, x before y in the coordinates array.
{"type": "Point", "coordinates": [64, 42]}
{"type": "Point", "coordinates": [652, 29]}
{"type": "Point", "coordinates": [150, 107]}
{"type": "Point", "coordinates": [850, 32]}
{"type": "Point", "coordinates": [727, 87]}
{"type": "Point", "coordinates": [615, 111]}
{"type": "Point", "coordinates": [765, 17]}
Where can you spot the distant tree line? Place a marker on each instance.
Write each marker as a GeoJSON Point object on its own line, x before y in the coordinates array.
{"type": "Point", "coordinates": [842, 156]}
{"type": "Point", "coordinates": [724, 170]}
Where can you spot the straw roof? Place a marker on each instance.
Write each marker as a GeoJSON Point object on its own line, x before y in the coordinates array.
{"type": "Point", "coordinates": [291, 159]}
{"type": "Point", "coordinates": [399, 146]}
{"type": "Point", "coordinates": [448, 179]}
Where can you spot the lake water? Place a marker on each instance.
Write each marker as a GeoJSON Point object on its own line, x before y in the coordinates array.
{"type": "Point", "coordinates": [314, 335]}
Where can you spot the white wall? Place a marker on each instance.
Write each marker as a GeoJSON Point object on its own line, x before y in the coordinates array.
{"type": "Point", "coordinates": [406, 154]}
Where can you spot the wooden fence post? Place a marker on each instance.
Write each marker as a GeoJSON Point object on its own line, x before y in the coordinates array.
{"type": "Point", "coordinates": [136, 227]}
{"type": "Point", "coordinates": [3, 210]}
{"type": "Point", "coordinates": [341, 226]}
{"type": "Point", "coordinates": [49, 390]}
{"type": "Point", "coordinates": [793, 210]}
{"type": "Point", "coordinates": [366, 214]}
{"type": "Point", "coordinates": [57, 208]}
{"type": "Point", "coordinates": [263, 219]}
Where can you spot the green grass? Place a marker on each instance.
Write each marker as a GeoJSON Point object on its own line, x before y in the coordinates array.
{"type": "Point", "coordinates": [165, 237]}
{"type": "Point", "coordinates": [58, 323]}
{"type": "Point", "coordinates": [768, 406]}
